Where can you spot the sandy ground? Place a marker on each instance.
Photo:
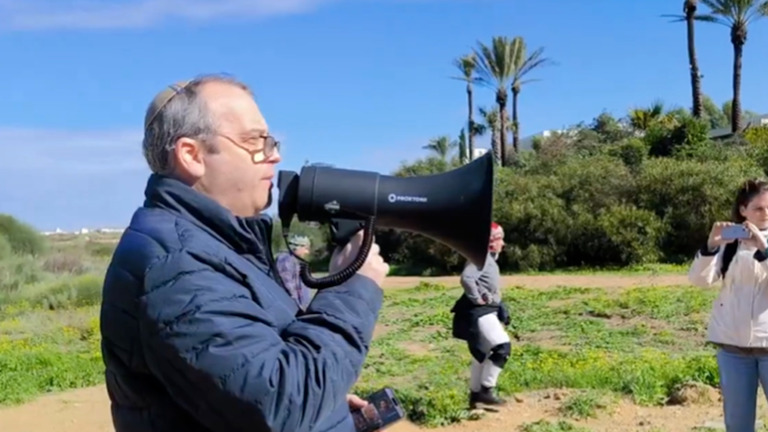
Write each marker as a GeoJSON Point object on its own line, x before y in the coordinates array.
{"type": "Point", "coordinates": [87, 410]}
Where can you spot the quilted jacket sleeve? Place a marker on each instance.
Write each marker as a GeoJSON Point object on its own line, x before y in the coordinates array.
{"type": "Point", "coordinates": [212, 347]}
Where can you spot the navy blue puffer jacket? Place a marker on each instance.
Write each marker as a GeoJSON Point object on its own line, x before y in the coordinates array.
{"type": "Point", "coordinates": [197, 335]}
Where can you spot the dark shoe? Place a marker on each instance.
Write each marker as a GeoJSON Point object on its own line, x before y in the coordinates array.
{"type": "Point", "coordinates": [474, 398]}
{"type": "Point", "coordinates": [485, 397]}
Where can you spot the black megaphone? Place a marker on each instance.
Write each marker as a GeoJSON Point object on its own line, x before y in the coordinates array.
{"type": "Point", "coordinates": [454, 208]}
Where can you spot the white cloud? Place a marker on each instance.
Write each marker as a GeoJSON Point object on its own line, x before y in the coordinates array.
{"type": "Point", "coordinates": [71, 179]}
{"type": "Point", "coordinates": [125, 14]}
{"type": "Point", "coordinates": [70, 152]}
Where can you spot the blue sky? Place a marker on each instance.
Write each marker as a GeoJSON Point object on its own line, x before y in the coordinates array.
{"type": "Point", "coordinates": [359, 84]}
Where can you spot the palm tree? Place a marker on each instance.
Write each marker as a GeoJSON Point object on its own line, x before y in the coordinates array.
{"type": "Point", "coordinates": [464, 157]}
{"type": "Point", "coordinates": [737, 15]}
{"type": "Point", "coordinates": [689, 10]}
{"type": "Point", "coordinates": [466, 64]}
{"type": "Point", "coordinates": [441, 146]}
{"type": "Point", "coordinates": [523, 65]}
{"type": "Point", "coordinates": [495, 69]}
{"type": "Point", "coordinates": [491, 122]}
{"type": "Point", "coordinates": [642, 119]}
{"type": "Point", "coordinates": [727, 108]}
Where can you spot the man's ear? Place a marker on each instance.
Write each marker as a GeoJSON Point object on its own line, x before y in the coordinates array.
{"type": "Point", "coordinates": [188, 154]}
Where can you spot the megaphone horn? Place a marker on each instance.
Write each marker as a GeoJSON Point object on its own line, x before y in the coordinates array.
{"type": "Point", "coordinates": [453, 208]}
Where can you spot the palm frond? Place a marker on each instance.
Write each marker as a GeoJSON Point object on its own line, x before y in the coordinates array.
{"type": "Point", "coordinates": [676, 17]}
{"type": "Point", "coordinates": [495, 65]}
{"type": "Point", "coordinates": [733, 13]}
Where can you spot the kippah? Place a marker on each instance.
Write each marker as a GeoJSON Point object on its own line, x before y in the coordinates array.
{"type": "Point", "coordinates": [162, 99]}
{"type": "Point", "coordinates": [496, 230]}
{"type": "Point", "coordinates": [298, 240]}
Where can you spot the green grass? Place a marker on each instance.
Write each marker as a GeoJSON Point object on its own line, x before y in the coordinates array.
{"type": "Point", "coordinates": [43, 351]}
{"type": "Point", "coordinates": [641, 343]}
{"type": "Point", "coordinates": [49, 329]}
{"type": "Point", "coordinates": [586, 404]}
{"type": "Point", "coordinates": [550, 426]}
{"type": "Point", "coordinates": [644, 269]}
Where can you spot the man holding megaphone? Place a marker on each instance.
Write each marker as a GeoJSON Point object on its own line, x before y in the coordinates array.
{"type": "Point", "coordinates": [197, 333]}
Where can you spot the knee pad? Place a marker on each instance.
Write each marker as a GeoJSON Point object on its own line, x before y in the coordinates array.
{"type": "Point", "coordinates": [499, 354]}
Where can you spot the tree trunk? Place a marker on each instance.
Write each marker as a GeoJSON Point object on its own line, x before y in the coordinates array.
{"type": "Point", "coordinates": [690, 12]}
{"type": "Point", "coordinates": [738, 48]}
{"type": "Point", "coordinates": [471, 123]}
{"type": "Point", "coordinates": [515, 123]}
{"type": "Point", "coordinates": [501, 99]}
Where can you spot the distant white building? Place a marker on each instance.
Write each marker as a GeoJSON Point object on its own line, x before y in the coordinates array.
{"type": "Point", "coordinates": [83, 231]}
{"type": "Point", "coordinates": [526, 143]}
{"type": "Point", "coordinates": [111, 230]}
{"type": "Point", "coordinates": [479, 152]}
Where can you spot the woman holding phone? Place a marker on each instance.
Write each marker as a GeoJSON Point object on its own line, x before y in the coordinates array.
{"type": "Point", "coordinates": [736, 256]}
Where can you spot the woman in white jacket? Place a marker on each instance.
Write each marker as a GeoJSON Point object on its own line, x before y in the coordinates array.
{"type": "Point", "coordinates": [738, 324]}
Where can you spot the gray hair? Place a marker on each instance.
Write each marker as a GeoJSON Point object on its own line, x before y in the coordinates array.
{"type": "Point", "coordinates": [182, 113]}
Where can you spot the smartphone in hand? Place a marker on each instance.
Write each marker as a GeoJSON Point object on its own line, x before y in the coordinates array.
{"type": "Point", "coordinates": [733, 232]}
{"type": "Point", "coordinates": [382, 410]}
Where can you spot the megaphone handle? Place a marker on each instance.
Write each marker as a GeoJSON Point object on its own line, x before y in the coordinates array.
{"type": "Point", "coordinates": [346, 273]}
{"type": "Point", "coordinates": [342, 230]}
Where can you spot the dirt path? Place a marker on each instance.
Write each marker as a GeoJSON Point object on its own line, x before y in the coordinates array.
{"type": "Point", "coordinates": [87, 410]}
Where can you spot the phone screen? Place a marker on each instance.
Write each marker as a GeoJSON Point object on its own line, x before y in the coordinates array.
{"type": "Point", "coordinates": [367, 419]}
{"type": "Point", "coordinates": [382, 410]}
{"type": "Point", "coordinates": [735, 232]}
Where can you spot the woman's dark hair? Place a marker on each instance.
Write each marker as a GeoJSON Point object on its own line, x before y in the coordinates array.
{"type": "Point", "coordinates": [747, 192]}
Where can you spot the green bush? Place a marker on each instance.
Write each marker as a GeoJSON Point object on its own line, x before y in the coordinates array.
{"type": "Point", "coordinates": [61, 263]}
{"type": "Point", "coordinates": [6, 250]}
{"type": "Point", "coordinates": [632, 235]}
{"type": "Point", "coordinates": [535, 220]}
{"type": "Point", "coordinates": [601, 196]}
{"type": "Point", "coordinates": [593, 183]}
{"type": "Point", "coordinates": [756, 139]}
{"type": "Point", "coordinates": [100, 249]}
{"type": "Point", "coordinates": [23, 238]}
{"type": "Point", "coordinates": [688, 196]}
{"type": "Point", "coordinates": [632, 152]}
{"type": "Point", "coordinates": [683, 134]}
{"type": "Point", "coordinates": [17, 272]}
{"type": "Point", "coordinates": [68, 293]}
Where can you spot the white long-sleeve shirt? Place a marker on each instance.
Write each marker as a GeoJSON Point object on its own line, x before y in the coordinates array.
{"type": "Point", "coordinates": [740, 313]}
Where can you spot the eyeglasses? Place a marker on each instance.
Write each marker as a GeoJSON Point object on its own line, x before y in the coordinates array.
{"type": "Point", "coordinates": [271, 145]}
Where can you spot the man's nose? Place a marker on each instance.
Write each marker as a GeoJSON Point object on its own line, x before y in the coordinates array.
{"type": "Point", "coordinates": [275, 156]}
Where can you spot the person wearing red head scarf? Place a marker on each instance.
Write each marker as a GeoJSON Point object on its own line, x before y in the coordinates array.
{"type": "Point", "coordinates": [479, 318]}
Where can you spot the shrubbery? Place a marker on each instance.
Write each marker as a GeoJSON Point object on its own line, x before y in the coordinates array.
{"type": "Point", "coordinates": [22, 238]}
{"type": "Point", "coordinates": [603, 195]}
{"type": "Point", "coordinates": [49, 274]}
